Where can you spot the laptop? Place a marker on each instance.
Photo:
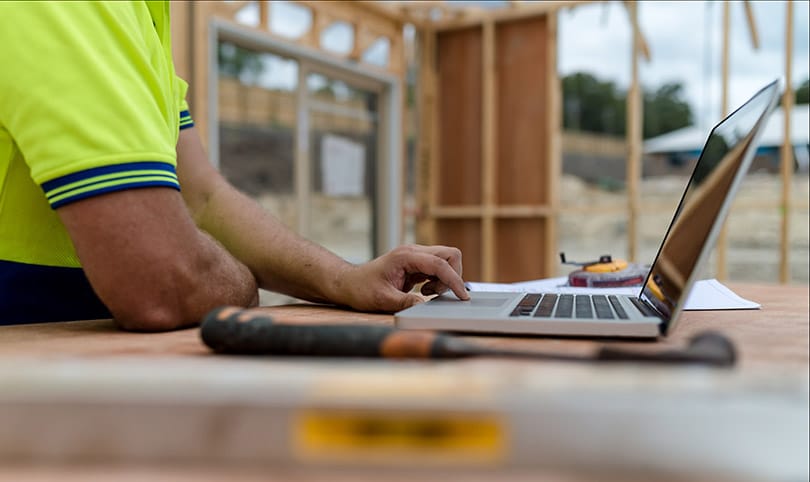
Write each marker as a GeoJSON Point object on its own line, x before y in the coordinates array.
{"type": "Point", "coordinates": [654, 312]}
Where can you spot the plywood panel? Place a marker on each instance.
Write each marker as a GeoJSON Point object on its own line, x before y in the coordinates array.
{"type": "Point", "coordinates": [523, 172]}
{"type": "Point", "coordinates": [495, 147]}
{"type": "Point", "coordinates": [464, 234]}
{"type": "Point", "coordinates": [520, 250]}
{"type": "Point", "coordinates": [459, 58]}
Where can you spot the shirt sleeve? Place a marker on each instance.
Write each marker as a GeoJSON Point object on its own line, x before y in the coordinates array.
{"type": "Point", "coordinates": [185, 116]}
{"type": "Point", "coordinates": [89, 96]}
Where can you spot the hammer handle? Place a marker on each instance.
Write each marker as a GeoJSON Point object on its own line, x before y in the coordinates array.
{"type": "Point", "coordinates": [251, 332]}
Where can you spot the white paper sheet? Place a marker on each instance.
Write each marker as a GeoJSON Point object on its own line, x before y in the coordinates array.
{"type": "Point", "coordinates": [707, 294]}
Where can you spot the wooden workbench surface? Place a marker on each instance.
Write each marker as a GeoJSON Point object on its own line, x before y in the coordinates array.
{"type": "Point", "coordinates": [777, 334]}
{"type": "Point", "coordinates": [87, 401]}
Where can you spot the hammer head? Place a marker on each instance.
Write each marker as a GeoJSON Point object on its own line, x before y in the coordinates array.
{"type": "Point", "coordinates": [707, 348]}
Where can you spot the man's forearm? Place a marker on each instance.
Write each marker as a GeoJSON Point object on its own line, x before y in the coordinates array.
{"type": "Point", "coordinates": [280, 259]}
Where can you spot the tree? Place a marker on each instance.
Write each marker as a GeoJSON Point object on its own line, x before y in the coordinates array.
{"type": "Point", "coordinates": [665, 110]}
{"type": "Point", "coordinates": [235, 61]}
{"type": "Point", "coordinates": [803, 92]}
{"type": "Point", "coordinates": [593, 105]}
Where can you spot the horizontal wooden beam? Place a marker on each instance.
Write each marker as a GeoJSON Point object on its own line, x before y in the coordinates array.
{"type": "Point", "coordinates": [414, 13]}
{"type": "Point", "coordinates": [498, 15]}
{"type": "Point", "coordinates": [476, 211]}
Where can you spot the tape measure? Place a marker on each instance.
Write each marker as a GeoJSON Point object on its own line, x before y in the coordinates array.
{"type": "Point", "coordinates": [606, 273]}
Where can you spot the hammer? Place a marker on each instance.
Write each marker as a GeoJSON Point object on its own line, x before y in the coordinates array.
{"type": "Point", "coordinates": [236, 331]}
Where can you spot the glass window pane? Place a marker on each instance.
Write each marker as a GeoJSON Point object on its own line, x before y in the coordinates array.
{"type": "Point", "coordinates": [343, 147]}
{"type": "Point", "coordinates": [257, 118]}
{"type": "Point", "coordinates": [289, 20]}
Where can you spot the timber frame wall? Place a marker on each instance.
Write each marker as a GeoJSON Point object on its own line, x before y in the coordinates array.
{"type": "Point", "coordinates": [467, 201]}
{"type": "Point", "coordinates": [489, 153]}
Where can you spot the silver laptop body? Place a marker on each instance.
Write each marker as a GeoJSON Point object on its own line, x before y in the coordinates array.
{"type": "Point", "coordinates": [722, 164]}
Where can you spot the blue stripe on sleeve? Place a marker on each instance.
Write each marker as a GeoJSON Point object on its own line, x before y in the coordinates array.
{"type": "Point", "coordinates": [112, 169]}
{"type": "Point", "coordinates": [117, 187]}
{"type": "Point", "coordinates": [185, 120]}
{"type": "Point", "coordinates": [100, 180]}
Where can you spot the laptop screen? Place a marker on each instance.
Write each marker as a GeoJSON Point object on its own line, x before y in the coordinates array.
{"type": "Point", "coordinates": [724, 160]}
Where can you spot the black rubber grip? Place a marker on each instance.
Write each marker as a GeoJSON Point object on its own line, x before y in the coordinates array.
{"type": "Point", "coordinates": [257, 334]}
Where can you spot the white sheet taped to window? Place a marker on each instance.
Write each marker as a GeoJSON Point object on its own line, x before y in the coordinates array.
{"type": "Point", "coordinates": [343, 166]}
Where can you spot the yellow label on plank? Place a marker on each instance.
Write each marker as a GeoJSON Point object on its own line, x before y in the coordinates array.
{"type": "Point", "coordinates": [407, 437]}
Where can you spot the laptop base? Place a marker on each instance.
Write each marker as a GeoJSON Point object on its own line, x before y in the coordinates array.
{"type": "Point", "coordinates": [489, 312]}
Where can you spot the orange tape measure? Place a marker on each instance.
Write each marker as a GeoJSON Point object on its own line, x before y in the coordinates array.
{"type": "Point", "coordinates": [605, 272]}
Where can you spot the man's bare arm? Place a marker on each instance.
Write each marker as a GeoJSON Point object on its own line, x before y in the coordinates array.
{"type": "Point", "coordinates": [149, 263]}
{"type": "Point", "coordinates": [280, 259]}
{"type": "Point", "coordinates": [283, 261]}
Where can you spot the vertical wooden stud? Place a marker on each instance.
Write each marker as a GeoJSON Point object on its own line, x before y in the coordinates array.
{"type": "Point", "coordinates": [302, 170]}
{"type": "Point", "coordinates": [264, 15]}
{"type": "Point", "coordinates": [424, 112]}
{"type": "Point", "coordinates": [396, 57]}
{"type": "Point", "coordinates": [787, 149]}
{"type": "Point", "coordinates": [431, 46]}
{"type": "Point", "coordinates": [198, 83]}
{"type": "Point", "coordinates": [634, 139]}
{"type": "Point", "coordinates": [722, 239]}
{"type": "Point", "coordinates": [181, 33]}
{"type": "Point", "coordinates": [554, 127]}
{"type": "Point", "coordinates": [488, 149]}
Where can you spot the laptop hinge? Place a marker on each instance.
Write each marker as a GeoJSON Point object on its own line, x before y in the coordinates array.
{"type": "Point", "coordinates": [662, 327]}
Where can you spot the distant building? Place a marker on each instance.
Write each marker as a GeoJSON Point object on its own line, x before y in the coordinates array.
{"type": "Point", "coordinates": [676, 151]}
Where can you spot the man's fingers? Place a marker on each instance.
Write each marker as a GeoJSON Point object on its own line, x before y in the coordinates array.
{"type": "Point", "coordinates": [451, 255]}
{"type": "Point", "coordinates": [413, 280]}
{"type": "Point", "coordinates": [434, 287]}
{"type": "Point", "coordinates": [420, 261]}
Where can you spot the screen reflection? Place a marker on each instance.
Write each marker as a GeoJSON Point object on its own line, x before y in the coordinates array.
{"type": "Point", "coordinates": [714, 175]}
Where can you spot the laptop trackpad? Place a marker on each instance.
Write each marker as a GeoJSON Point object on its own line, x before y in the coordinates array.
{"type": "Point", "coordinates": [482, 303]}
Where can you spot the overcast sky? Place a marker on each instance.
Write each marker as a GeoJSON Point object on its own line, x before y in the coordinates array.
{"type": "Point", "coordinates": [685, 40]}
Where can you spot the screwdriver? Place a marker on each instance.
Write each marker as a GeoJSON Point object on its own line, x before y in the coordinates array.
{"type": "Point", "coordinates": [238, 331]}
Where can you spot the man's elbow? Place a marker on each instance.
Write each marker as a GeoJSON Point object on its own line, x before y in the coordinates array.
{"type": "Point", "coordinates": [157, 317]}
{"type": "Point", "coordinates": [153, 318]}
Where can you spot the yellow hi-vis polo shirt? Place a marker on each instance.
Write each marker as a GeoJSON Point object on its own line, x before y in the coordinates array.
{"type": "Point", "coordinates": [89, 104]}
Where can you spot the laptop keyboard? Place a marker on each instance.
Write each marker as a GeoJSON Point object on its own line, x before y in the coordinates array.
{"type": "Point", "coordinates": [580, 306]}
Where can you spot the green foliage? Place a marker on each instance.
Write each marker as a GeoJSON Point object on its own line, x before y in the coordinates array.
{"type": "Point", "coordinates": [665, 111]}
{"type": "Point", "coordinates": [235, 61]}
{"type": "Point", "coordinates": [593, 105]}
{"type": "Point", "coordinates": [803, 92]}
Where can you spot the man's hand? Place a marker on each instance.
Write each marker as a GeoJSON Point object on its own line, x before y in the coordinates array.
{"type": "Point", "coordinates": [384, 284]}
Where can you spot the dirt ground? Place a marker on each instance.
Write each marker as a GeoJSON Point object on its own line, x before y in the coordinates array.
{"type": "Point", "coordinates": [753, 227]}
